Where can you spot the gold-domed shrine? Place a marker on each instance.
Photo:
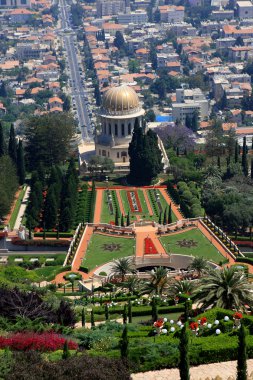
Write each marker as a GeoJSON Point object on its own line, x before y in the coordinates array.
{"type": "Point", "coordinates": [120, 100]}
{"type": "Point", "coordinates": [120, 108]}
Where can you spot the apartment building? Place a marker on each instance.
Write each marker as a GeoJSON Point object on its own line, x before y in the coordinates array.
{"type": "Point", "coordinates": [188, 102]}
{"type": "Point", "coordinates": [15, 3]}
{"type": "Point", "coordinates": [171, 13]}
{"type": "Point", "coordinates": [137, 17]}
{"type": "Point", "coordinates": [110, 7]}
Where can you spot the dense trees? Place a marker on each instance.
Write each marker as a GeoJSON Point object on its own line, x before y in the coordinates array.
{"type": "Point", "coordinates": [48, 139]}
{"type": "Point", "coordinates": [119, 41]}
{"type": "Point", "coordinates": [8, 184]}
{"type": "Point", "coordinates": [145, 156]}
{"type": "Point", "coordinates": [20, 163]}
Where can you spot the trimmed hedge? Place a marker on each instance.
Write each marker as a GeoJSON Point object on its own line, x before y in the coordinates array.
{"type": "Point", "coordinates": [52, 234]}
{"type": "Point", "coordinates": [247, 260]}
{"type": "Point", "coordinates": [141, 310]}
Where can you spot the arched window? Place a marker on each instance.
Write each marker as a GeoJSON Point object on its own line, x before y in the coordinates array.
{"type": "Point", "coordinates": [116, 129]}
{"type": "Point", "coordinates": [122, 129]}
{"type": "Point", "coordinates": [129, 129]}
{"type": "Point", "coordinates": [110, 129]}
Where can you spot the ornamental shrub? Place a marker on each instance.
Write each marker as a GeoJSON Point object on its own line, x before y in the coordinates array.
{"type": "Point", "coordinates": [44, 342]}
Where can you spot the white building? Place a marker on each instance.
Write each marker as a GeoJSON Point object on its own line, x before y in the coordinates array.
{"type": "Point", "coordinates": [171, 13]}
{"type": "Point", "coordinates": [138, 17]}
{"type": "Point", "coordinates": [110, 7]}
{"type": "Point", "coordinates": [188, 102]}
{"type": "Point", "coordinates": [15, 3]}
{"type": "Point", "coordinates": [244, 9]}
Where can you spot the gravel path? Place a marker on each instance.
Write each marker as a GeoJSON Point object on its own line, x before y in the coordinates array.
{"type": "Point", "coordinates": [216, 371]}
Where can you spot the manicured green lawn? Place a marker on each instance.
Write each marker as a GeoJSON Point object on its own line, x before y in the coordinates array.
{"type": "Point", "coordinates": [96, 255]}
{"type": "Point", "coordinates": [16, 208]}
{"type": "Point", "coordinates": [47, 273]}
{"type": "Point", "coordinates": [202, 248]}
{"type": "Point", "coordinates": [165, 204]}
{"type": "Point", "coordinates": [105, 216]}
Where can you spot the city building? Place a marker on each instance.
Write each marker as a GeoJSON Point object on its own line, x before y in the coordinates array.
{"type": "Point", "coordinates": [188, 102]}
{"type": "Point", "coordinates": [138, 17]}
{"type": "Point", "coordinates": [171, 13]}
{"type": "Point", "coordinates": [244, 9]}
{"type": "Point", "coordinates": [110, 7]}
{"type": "Point", "coordinates": [15, 3]}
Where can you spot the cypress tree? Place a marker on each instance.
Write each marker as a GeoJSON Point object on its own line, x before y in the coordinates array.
{"type": "Point", "coordinates": [92, 319]}
{"type": "Point", "coordinates": [160, 218]}
{"type": "Point", "coordinates": [218, 162]}
{"type": "Point", "coordinates": [251, 169]}
{"type": "Point", "coordinates": [242, 355]}
{"type": "Point", "coordinates": [244, 158]}
{"type": "Point", "coordinates": [124, 344]}
{"type": "Point", "coordinates": [106, 312]}
{"type": "Point", "coordinates": [66, 353]}
{"type": "Point", "coordinates": [128, 218]}
{"type": "Point", "coordinates": [177, 151]}
{"type": "Point", "coordinates": [154, 311]}
{"type": "Point", "coordinates": [170, 214]}
{"type": "Point", "coordinates": [12, 147]}
{"type": "Point", "coordinates": [66, 219]}
{"type": "Point", "coordinates": [130, 317]}
{"type": "Point", "coordinates": [122, 221]}
{"type": "Point", "coordinates": [83, 317]}
{"type": "Point", "coordinates": [50, 214]}
{"type": "Point", "coordinates": [125, 315]}
{"type": "Point", "coordinates": [165, 216]}
{"type": "Point", "coordinates": [184, 369]}
{"type": "Point", "coordinates": [117, 217]}
{"type": "Point", "coordinates": [3, 92]}
{"type": "Point", "coordinates": [20, 163]}
{"type": "Point", "coordinates": [236, 152]}
{"type": "Point", "coordinates": [2, 143]}
{"type": "Point", "coordinates": [187, 309]}
{"type": "Point", "coordinates": [252, 143]}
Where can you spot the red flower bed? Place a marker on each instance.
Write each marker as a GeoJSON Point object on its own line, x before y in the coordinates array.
{"type": "Point", "coordinates": [131, 202]}
{"type": "Point", "coordinates": [194, 326]}
{"type": "Point", "coordinates": [237, 315]}
{"type": "Point", "coordinates": [203, 320]}
{"type": "Point", "coordinates": [33, 341]}
{"type": "Point", "coordinates": [149, 248]}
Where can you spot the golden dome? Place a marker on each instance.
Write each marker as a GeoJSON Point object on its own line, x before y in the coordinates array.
{"type": "Point", "coordinates": [120, 100]}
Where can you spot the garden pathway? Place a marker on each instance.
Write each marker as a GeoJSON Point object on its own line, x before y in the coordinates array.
{"type": "Point", "coordinates": [150, 210]}
{"type": "Point", "coordinates": [121, 206]}
{"type": "Point", "coordinates": [174, 208]}
{"type": "Point", "coordinates": [78, 257]}
{"type": "Point", "coordinates": [141, 234]}
{"type": "Point", "coordinates": [203, 372]}
{"type": "Point", "coordinates": [22, 208]}
{"type": "Point", "coordinates": [98, 205]}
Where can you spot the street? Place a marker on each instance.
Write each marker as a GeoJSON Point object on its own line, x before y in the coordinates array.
{"type": "Point", "coordinates": [78, 91]}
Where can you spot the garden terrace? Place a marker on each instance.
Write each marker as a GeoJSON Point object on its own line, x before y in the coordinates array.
{"type": "Point", "coordinates": [192, 243]}
{"type": "Point", "coordinates": [103, 249]}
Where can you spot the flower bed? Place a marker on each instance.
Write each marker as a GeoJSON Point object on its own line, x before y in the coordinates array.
{"type": "Point", "coordinates": [149, 247]}
{"type": "Point", "coordinates": [32, 341]}
{"type": "Point", "coordinates": [134, 201]}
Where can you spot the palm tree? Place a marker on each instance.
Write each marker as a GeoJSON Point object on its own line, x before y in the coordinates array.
{"type": "Point", "coordinates": [199, 265]}
{"type": "Point", "coordinates": [122, 266]}
{"type": "Point", "coordinates": [132, 283]}
{"type": "Point", "coordinates": [227, 288]}
{"type": "Point", "coordinates": [158, 283]}
{"type": "Point", "coordinates": [183, 286]}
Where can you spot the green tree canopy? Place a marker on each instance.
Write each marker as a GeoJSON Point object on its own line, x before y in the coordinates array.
{"type": "Point", "coordinates": [48, 139]}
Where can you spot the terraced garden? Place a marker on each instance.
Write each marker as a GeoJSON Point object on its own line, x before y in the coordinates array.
{"type": "Point", "coordinates": [103, 249]}
{"type": "Point", "coordinates": [107, 216]}
{"type": "Point", "coordinates": [191, 242]}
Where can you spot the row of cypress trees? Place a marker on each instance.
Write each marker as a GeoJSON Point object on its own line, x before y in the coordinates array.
{"type": "Point", "coordinates": [56, 205]}
{"type": "Point", "coordinates": [15, 151]}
